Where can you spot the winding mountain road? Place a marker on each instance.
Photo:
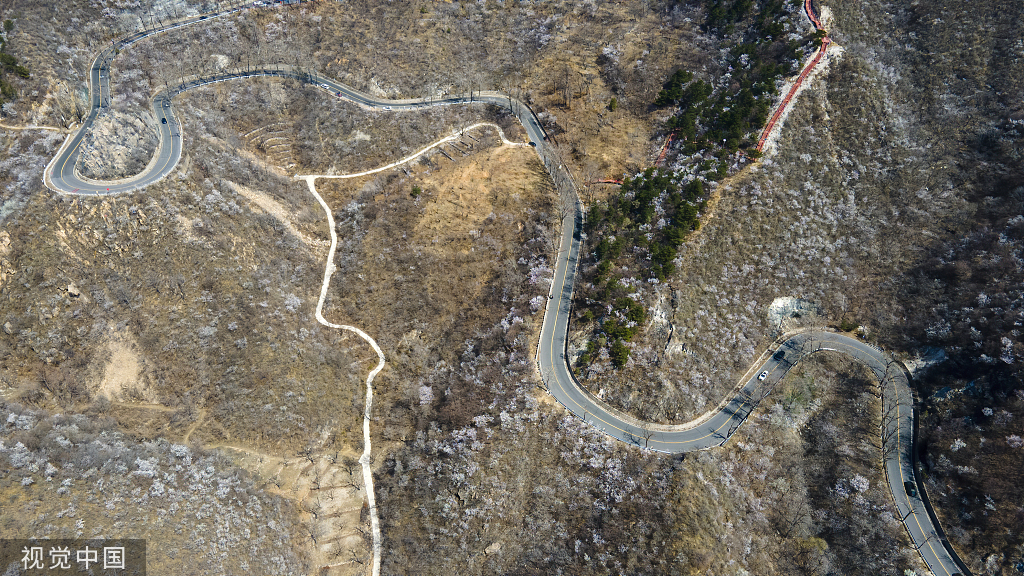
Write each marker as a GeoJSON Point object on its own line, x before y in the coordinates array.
{"type": "Point", "coordinates": [712, 429]}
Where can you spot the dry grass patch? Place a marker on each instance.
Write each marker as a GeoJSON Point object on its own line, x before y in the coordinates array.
{"type": "Point", "coordinates": [328, 490]}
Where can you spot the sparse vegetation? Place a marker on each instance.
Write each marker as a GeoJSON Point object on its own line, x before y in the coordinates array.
{"type": "Point", "coordinates": [902, 218]}
{"type": "Point", "coordinates": [562, 507]}
{"type": "Point", "coordinates": [83, 478]}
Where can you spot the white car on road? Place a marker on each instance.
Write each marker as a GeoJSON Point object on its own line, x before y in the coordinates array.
{"type": "Point", "coordinates": [762, 375]}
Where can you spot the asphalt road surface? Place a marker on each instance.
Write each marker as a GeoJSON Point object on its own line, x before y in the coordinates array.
{"type": "Point", "coordinates": [712, 429]}
{"type": "Point", "coordinates": [715, 427]}
{"type": "Point", "coordinates": [60, 175]}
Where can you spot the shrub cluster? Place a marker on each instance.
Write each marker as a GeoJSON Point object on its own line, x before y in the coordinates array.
{"type": "Point", "coordinates": [9, 64]}
{"type": "Point", "coordinates": [728, 118]}
{"type": "Point", "coordinates": [641, 228]}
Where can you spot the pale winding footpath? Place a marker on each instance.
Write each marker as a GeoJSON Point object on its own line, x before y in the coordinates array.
{"type": "Point", "coordinates": [454, 137]}
{"type": "Point", "coordinates": [329, 269]}
{"type": "Point", "coordinates": [364, 460]}
{"type": "Point", "coordinates": [711, 429]}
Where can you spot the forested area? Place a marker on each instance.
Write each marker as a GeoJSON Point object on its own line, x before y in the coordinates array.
{"type": "Point", "coordinates": [9, 65]}
{"type": "Point", "coordinates": [720, 116]}
{"type": "Point", "coordinates": [641, 228]}
{"type": "Point", "coordinates": [634, 236]}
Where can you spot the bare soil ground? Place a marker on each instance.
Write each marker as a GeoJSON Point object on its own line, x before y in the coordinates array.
{"type": "Point", "coordinates": [194, 380]}
{"type": "Point", "coordinates": [329, 492]}
{"type": "Point", "coordinates": [886, 165]}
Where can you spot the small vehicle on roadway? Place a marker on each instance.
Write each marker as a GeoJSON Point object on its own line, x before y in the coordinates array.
{"type": "Point", "coordinates": [532, 143]}
{"type": "Point", "coordinates": [163, 120]}
{"type": "Point", "coordinates": [910, 488]}
{"type": "Point", "coordinates": [762, 375]}
{"type": "Point", "coordinates": [387, 107]}
{"type": "Point", "coordinates": [779, 355]}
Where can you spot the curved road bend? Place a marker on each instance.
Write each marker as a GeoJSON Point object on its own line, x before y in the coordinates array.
{"type": "Point", "coordinates": [62, 176]}
{"type": "Point", "coordinates": [712, 429]}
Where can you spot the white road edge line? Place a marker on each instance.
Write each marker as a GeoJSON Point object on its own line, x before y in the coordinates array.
{"type": "Point", "coordinates": [362, 100]}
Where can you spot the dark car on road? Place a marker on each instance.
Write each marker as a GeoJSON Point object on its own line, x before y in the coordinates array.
{"type": "Point", "coordinates": [910, 488]}
{"type": "Point", "coordinates": [779, 355]}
